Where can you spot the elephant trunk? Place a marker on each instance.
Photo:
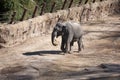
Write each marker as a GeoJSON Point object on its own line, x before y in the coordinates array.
{"type": "Point", "coordinates": [53, 39]}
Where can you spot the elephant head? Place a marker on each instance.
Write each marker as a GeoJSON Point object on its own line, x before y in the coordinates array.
{"type": "Point", "coordinates": [57, 31]}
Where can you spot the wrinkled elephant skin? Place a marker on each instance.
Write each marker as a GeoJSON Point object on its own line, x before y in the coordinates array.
{"type": "Point", "coordinates": [70, 32]}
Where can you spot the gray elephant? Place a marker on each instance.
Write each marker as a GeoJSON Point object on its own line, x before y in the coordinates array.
{"type": "Point", "coordinates": [70, 32]}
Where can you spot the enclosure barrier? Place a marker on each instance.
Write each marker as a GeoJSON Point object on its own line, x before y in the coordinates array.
{"type": "Point", "coordinates": [43, 5]}
{"type": "Point", "coordinates": [13, 34]}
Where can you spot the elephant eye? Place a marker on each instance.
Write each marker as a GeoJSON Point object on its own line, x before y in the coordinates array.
{"type": "Point", "coordinates": [55, 28]}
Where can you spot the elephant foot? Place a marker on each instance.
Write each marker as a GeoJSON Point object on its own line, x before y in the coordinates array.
{"type": "Point", "coordinates": [79, 51]}
{"type": "Point", "coordinates": [62, 53]}
{"type": "Point", "coordinates": [70, 52]}
{"type": "Point", "coordinates": [65, 51]}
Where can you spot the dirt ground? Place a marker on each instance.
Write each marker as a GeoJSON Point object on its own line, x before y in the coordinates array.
{"type": "Point", "coordinates": [38, 59]}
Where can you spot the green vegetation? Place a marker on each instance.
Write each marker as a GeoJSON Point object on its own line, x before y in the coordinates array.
{"type": "Point", "coordinates": [7, 7]}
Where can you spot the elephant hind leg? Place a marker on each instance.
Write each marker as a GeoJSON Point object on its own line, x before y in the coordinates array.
{"type": "Point", "coordinates": [80, 44]}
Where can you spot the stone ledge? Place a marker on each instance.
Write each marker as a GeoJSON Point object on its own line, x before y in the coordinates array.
{"type": "Point", "coordinates": [14, 34]}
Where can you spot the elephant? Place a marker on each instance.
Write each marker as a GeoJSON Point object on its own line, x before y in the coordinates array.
{"type": "Point", "coordinates": [70, 32]}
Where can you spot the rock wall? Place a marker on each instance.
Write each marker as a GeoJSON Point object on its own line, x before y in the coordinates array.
{"type": "Point", "coordinates": [14, 34]}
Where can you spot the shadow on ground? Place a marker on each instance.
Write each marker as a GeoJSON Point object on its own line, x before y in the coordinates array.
{"type": "Point", "coordinates": [41, 53]}
{"type": "Point", "coordinates": [17, 77]}
{"type": "Point", "coordinates": [100, 72]}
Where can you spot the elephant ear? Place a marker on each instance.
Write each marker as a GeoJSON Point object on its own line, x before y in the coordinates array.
{"type": "Point", "coordinates": [64, 30]}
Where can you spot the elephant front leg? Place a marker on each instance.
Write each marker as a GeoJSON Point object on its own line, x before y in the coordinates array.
{"type": "Point", "coordinates": [69, 44]}
{"type": "Point", "coordinates": [63, 45]}
{"type": "Point", "coordinates": [68, 47]}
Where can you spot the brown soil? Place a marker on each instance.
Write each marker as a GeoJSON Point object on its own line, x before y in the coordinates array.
{"type": "Point", "coordinates": [38, 59]}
